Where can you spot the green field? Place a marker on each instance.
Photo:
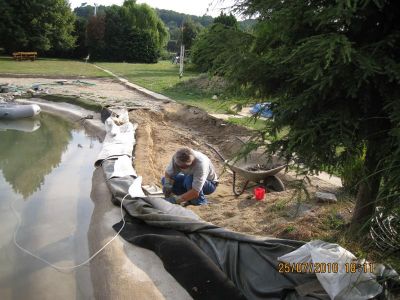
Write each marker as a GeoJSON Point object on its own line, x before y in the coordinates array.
{"type": "Point", "coordinates": [49, 67]}
{"type": "Point", "coordinates": [249, 122]}
{"type": "Point", "coordinates": [163, 78]}
{"type": "Point", "coordinates": [158, 77]}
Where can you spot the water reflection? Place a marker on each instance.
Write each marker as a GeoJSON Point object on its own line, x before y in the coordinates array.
{"type": "Point", "coordinates": [26, 157]}
{"type": "Point", "coordinates": [25, 125]}
{"type": "Point", "coordinates": [46, 176]}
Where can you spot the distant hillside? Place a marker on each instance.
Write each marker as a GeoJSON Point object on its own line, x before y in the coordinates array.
{"type": "Point", "coordinates": [174, 19]}
{"type": "Point", "coordinates": [247, 25]}
{"type": "Point", "coordinates": [86, 11]}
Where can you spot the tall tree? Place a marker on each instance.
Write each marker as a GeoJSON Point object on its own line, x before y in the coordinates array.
{"type": "Point", "coordinates": [227, 20]}
{"type": "Point", "coordinates": [189, 32]}
{"type": "Point", "coordinates": [126, 42]}
{"type": "Point", "coordinates": [333, 68]}
{"type": "Point", "coordinates": [131, 32]}
{"type": "Point", "coordinates": [216, 45]}
{"type": "Point", "coordinates": [80, 49]}
{"type": "Point", "coordinates": [39, 25]}
{"type": "Point", "coordinates": [143, 17]}
{"type": "Point", "coordinates": [95, 32]}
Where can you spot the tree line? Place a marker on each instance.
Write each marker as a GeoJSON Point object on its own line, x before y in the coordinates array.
{"type": "Point", "coordinates": [176, 21]}
{"type": "Point", "coordinates": [131, 32]}
{"type": "Point", "coordinates": [37, 25]}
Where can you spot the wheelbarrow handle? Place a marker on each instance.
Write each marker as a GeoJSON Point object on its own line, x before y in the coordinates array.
{"type": "Point", "coordinates": [217, 152]}
{"type": "Point", "coordinates": [240, 140]}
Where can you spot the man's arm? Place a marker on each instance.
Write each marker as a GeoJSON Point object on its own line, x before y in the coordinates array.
{"type": "Point", "coordinates": [168, 178]}
{"type": "Point", "coordinates": [170, 170]}
{"type": "Point", "coordinates": [168, 184]}
{"type": "Point", "coordinates": [199, 178]}
{"type": "Point", "coordinates": [189, 195]}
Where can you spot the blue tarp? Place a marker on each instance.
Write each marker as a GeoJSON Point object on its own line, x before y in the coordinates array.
{"type": "Point", "coordinates": [262, 109]}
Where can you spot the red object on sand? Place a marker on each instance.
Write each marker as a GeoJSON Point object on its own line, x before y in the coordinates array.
{"type": "Point", "coordinates": [259, 193]}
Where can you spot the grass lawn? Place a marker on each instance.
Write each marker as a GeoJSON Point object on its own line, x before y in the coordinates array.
{"type": "Point", "coordinates": [49, 67]}
{"type": "Point", "coordinates": [158, 77]}
{"type": "Point", "coordinates": [248, 122]}
{"type": "Point", "coordinates": [163, 78]}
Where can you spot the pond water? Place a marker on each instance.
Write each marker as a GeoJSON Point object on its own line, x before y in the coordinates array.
{"type": "Point", "coordinates": [46, 168]}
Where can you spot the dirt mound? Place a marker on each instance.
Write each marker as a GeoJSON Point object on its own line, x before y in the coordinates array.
{"type": "Point", "coordinates": [214, 85]}
{"type": "Point", "coordinates": [160, 133]}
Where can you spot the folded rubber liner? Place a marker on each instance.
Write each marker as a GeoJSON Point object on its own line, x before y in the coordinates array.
{"type": "Point", "coordinates": [210, 262]}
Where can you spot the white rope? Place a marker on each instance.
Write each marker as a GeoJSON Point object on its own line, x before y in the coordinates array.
{"type": "Point", "coordinates": [60, 268]}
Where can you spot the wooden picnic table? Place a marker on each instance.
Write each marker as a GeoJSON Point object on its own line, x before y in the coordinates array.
{"type": "Point", "coordinates": [24, 56]}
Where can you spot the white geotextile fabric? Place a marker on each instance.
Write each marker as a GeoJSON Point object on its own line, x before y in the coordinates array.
{"type": "Point", "coordinates": [135, 190]}
{"type": "Point", "coordinates": [118, 146]}
{"type": "Point", "coordinates": [339, 284]}
{"type": "Point", "coordinates": [119, 140]}
{"type": "Point", "coordinates": [123, 167]}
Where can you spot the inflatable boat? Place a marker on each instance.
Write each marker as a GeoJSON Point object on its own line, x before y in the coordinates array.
{"type": "Point", "coordinates": [18, 111]}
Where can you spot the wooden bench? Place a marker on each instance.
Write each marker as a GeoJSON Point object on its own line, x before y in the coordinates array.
{"type": "Point", "coordinates": [24, 56]}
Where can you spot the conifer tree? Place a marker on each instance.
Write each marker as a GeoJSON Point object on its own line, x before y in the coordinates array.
{"type": "Point", "coordinates": [332, 71]}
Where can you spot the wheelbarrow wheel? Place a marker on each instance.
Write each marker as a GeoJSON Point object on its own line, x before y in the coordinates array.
{"type": "Point", "coordinates": [273, 183]}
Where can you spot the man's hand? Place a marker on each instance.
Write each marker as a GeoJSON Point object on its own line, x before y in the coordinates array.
{"type": "Point", "coordinates": [167, 189]}
{"type": "Point", "coordinates": [168, 185]}
{"type": "Point", "coordinates": [174, 199]}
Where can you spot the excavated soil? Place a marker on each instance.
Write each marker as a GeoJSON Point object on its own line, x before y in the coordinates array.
{"type": "Point", "coordinates": [285, 214]}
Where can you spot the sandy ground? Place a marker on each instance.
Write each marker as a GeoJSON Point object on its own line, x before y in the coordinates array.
{"type": "Point", "coordinates": [282, 214]}
{"type": "Point", "coordinates": [104, 91]}
{"type": "Point", "coordinates": [164, 127]}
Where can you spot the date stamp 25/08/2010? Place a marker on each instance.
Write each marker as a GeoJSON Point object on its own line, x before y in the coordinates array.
{"type": "Point", "coordinates": [315, 267]}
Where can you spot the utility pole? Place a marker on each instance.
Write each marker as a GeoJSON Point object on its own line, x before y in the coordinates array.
{"type": "Point", "coordinates": [95, 9]}
{"type": "Point", "coordinates": [181, 56]}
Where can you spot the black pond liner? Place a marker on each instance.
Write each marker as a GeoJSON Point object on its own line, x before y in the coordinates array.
{"type": "Point", "coordinates": [210, 262]}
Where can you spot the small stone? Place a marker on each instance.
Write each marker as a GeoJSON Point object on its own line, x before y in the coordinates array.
{"type": "Point", "coordinates": [215, 97]}
{"type": "Point", "coordinates": [194, 111]}
{"type": "Point", "coordinates": [325, 197]}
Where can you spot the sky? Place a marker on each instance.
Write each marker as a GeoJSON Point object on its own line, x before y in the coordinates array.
{"type": "Point", "coordinates": [192, 7]}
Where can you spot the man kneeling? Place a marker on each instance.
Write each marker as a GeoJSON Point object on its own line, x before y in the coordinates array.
{"type": "Point", "coordinates": [189, 176]}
